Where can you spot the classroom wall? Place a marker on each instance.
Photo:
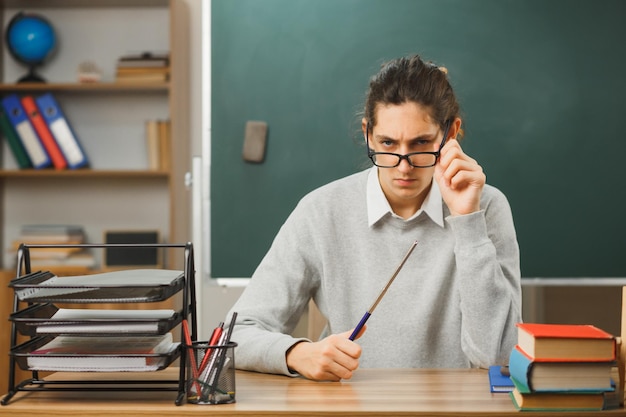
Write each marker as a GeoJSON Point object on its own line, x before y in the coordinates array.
{"type": "Point", "coordinates": [540, 84]}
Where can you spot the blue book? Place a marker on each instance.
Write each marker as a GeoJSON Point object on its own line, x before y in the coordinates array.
{"type": "Point", "coordinates": [530, 375]}
{"type": "Point", "coordinates": [25, 131]}
{"type": "Point", "coordinates": [498, 381]}
{"type": "Point", "coordinates": [62, 132]}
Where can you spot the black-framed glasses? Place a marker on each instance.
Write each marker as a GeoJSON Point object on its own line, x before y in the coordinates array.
{"type": "Point", "coordinates": [415, 159]}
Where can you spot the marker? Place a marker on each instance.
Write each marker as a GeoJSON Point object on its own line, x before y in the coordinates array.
{"type": "Point", "coordinates": [369, 312]}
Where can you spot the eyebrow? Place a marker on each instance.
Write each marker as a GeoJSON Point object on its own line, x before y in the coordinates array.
{"type": "Point", "coordinates": [429, 137]}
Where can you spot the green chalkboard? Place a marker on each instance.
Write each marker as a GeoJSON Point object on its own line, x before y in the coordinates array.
{"type": "Point", "coordinates": [542, 86]}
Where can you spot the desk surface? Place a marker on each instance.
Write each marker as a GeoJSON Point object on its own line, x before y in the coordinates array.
{"type": "Point", "coordinates": [371, 392]}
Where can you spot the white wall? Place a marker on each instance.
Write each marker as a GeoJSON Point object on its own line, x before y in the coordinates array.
{"type": "Point", "coordinates": [213, 299]}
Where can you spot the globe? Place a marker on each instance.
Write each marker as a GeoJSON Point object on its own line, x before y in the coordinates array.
{"type": "Point", "coordinates": [31, 41]}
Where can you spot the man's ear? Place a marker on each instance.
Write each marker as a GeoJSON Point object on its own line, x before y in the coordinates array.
{"type": "Point", "coordinates": [455, 131]}
{"type": "Point", "coordinates": [364, 126]}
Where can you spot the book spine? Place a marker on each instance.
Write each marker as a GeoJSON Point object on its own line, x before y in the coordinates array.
{"type": "Point", "coordinates": [519, 367]}
{"type": "Point", "coordinates": [152, 142]}
{"type": "Point", "coordinates": [17, 116]}
{"type": "Point", "coordinates": [165, 145]}
{"type": "Point", "coordinates": [48, 141]}
{"type": "Point", "coordinates": [19, 153]}
{"type": "Point", "coordinates": [62, 132]}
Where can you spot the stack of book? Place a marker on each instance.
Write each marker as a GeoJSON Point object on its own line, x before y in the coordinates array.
{"type": "Point", "coordinates": [563, 367]}
{"type": "Point", "coordinates": [66, 259]}
{"type": "Point", "coordinates": [39, 134]}
{"type": "Point", "coordinates": [146, 67]}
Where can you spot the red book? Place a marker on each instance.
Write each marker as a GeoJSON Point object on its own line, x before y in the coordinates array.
{"type": "Point", "coordinates": [41, 127]}
{"type": "Point", "coordinates": [566, 342]}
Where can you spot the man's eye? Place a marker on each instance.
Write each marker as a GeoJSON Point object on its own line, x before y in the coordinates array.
{"type": "Point", "coordinates": [422, 144]}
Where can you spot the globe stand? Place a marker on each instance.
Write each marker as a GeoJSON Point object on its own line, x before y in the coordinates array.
{"type": "Point", "coordinates": [31, 77]}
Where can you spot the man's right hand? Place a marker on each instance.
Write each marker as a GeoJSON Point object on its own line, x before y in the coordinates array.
{"type": "Point", "coordinates": [333, 358]}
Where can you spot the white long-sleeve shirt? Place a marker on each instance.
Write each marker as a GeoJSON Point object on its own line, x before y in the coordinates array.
{"type": "Point", "coordinates": [454, 304]}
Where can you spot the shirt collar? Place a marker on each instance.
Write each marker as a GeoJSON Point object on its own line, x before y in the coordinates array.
{"type": "Point", "coordinates": [378, 206]}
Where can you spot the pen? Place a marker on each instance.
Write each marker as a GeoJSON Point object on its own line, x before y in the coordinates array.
{"type": "Point", "coordinates": [192, 355]}
{"type": "Point", "coordinates": [222, 358]}
{"type": "Point", "coordinates": [215, 338]}
{"type": "Point", "coordinates": [369, 312]}
{"type": "Point", "coordinates": [213, 359]}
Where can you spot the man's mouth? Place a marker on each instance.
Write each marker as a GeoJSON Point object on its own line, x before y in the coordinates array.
{"type": "Point", "coordinates": [404, 182]}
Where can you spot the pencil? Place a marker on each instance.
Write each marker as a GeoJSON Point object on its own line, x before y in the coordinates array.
{"type": "Point", "coordinates": [192, 355]}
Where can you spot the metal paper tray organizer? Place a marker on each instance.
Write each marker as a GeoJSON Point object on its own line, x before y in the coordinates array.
{"type": "Point", "coordinates": [42, 289]}
{"type": "Point", "coordinates": [38, 320]}
{"type": "Point", "coordinates": [28, 359]}
{"type": "Point", "coordinates": [44, 286]}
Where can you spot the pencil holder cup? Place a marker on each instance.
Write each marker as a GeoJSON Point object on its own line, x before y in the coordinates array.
{"type": "Point", "coordinates": [210, 373]}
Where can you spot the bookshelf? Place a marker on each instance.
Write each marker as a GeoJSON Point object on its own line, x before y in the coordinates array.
{"type": "Point", "coordinates": [117, 191]}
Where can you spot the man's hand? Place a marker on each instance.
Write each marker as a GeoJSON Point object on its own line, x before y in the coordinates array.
{"type": "Point", "coordinates": [331, 359]}
{"type": "Point", "coordinates": [460, 179]}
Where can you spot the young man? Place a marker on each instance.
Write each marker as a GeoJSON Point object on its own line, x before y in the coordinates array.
{"type": "Point", "coordinates": [456, 300]}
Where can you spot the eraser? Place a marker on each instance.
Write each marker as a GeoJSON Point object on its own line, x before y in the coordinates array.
{"type": "Point", "coordinates": [254, 141]}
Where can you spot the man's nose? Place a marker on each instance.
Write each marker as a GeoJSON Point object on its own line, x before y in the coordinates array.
{"type": "Point", "coordinates": [404, 164]}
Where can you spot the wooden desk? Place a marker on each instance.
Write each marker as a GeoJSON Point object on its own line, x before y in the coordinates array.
{"type": "Point", "coordinates": [371, 392]}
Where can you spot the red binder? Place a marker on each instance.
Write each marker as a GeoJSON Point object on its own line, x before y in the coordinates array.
{"type": "Point", "coordinates": [41, 127]}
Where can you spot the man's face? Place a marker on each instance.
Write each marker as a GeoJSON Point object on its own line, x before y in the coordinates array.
{"type": "Point", "coordinates": [403, 129]}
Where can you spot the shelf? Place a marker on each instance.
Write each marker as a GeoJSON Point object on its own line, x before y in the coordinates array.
{"type": "Point", "coordinates": [109, 117]}
{"type": "Point", "coordinates": [28, 360]}
{"type": "Point", "coordinates": [87, 87]}
{"type": "Point", "coordinates": [82, 173]}
{"type": "Point", "coordinates": [118, 191]}
{"type": "Point", "coordinates": [84, 3]}
{"type": "Point", "coordinates": [129, 286]}
{"type": "Point", "coordinates": [42, 320]}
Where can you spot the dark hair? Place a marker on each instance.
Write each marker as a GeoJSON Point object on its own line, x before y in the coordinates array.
{"type": "Point", "coordinates": [410, 79]}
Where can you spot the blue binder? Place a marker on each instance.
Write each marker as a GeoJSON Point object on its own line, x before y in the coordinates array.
{"type": "Point", "coordinates": [62, 132]}
{"type": "Point", "coordinates": [25, 131]}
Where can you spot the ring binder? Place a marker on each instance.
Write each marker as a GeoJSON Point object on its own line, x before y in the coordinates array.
{"type": "Point", "coordinates": [26, 132]}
